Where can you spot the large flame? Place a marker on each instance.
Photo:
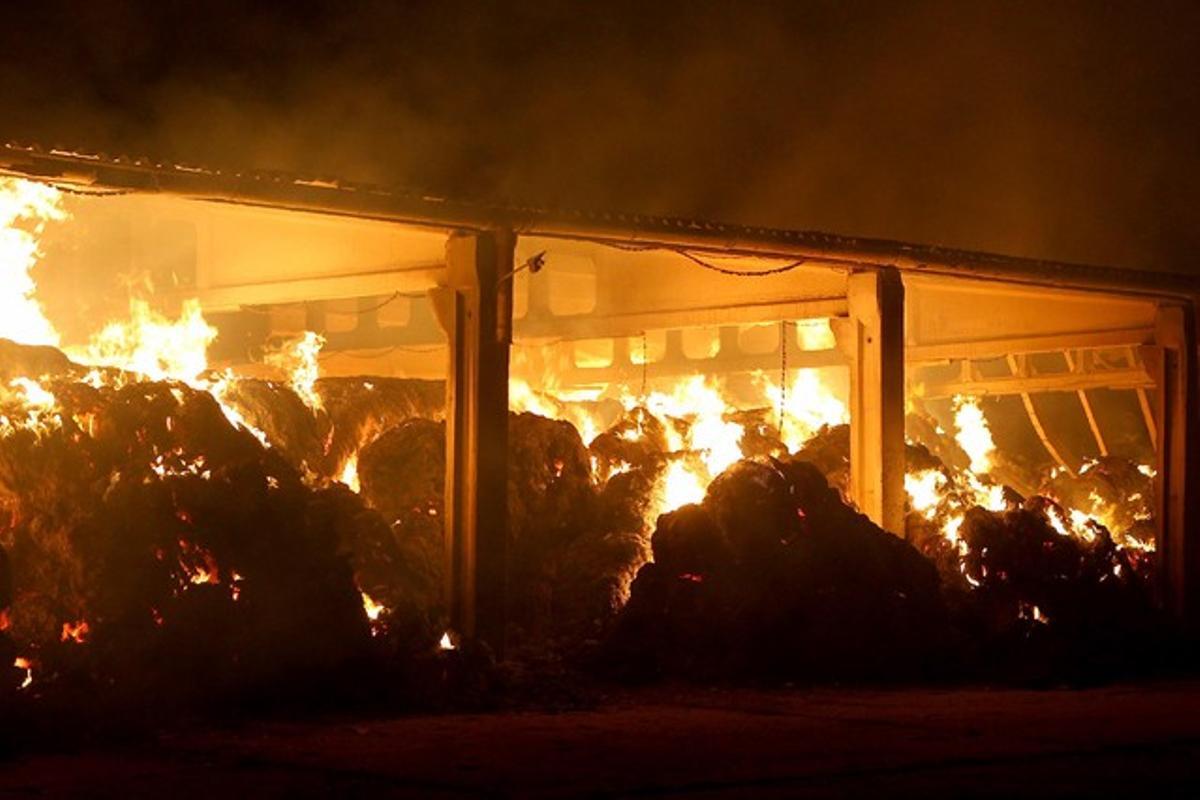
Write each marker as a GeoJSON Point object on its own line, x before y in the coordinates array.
{"type": "Point", "coordinates": [25, 207]}
{"type": "Point", "coordinates": [151, 345]}
{"type": "Point", "coordinates": [808, 405]}
{"type": "Point", "coordinates": [298, 359]}
{"type": "Point", "coordinates": [973, 434]}
{"type": "Point", "coordinates": [940, 496]}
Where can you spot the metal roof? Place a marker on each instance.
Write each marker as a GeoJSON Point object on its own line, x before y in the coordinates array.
{"type": "Point", "coordinates": [97, 172]}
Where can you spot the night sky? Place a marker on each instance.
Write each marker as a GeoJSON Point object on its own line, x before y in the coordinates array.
{"type": "Point", "coordinates": [1051, 129]}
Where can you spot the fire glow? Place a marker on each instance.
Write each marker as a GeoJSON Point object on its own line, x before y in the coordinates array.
{"type": "Point", "coordinates": [701, 418]}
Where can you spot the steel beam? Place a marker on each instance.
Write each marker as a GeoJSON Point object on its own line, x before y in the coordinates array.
{"type": "Point", "coordinates": [1136, 378]}
{"type": "Point", "coordinates": [1178, 476]}
{"type": "Point", "coordinates": [872, 337]}
{"type": "Point", "coordinates": [475, 308]}
{"type": "Point", "coordinates": [1012, 345]}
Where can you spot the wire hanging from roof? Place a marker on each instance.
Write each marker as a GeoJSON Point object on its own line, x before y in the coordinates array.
{"type": "Point", "coordinates": [740, 273]}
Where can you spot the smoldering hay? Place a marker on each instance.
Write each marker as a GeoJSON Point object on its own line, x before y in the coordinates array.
{"type": "Point", "coordinates": [152, 543]}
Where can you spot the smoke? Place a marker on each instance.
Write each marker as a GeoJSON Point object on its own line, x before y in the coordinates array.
{"type": "Point", "coordinates": [1064, 130]}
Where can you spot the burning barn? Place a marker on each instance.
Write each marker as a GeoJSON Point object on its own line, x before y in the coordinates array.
{"type": "Point", "coordinates": [350, 413]}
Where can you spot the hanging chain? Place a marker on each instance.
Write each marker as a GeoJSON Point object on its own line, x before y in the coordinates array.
{"type": "Point", "coordinates": [645, 361]}
{"type": "Point", "coordinates": [783, 342]}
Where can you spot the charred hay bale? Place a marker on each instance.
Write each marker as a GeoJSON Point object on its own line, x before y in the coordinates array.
{"type": "Point", "coordinates": [237, 579]}
{"type": "Point", "coordinates": [197, 557]}
{"type": "Point", "coordinates": [360, 409]}
{"type": "Point", "coordinates": [625, 501]}
{"type": "Point", "coordinates": [774, 576]}
{"type": "Point", "coordinates": [5, 584]}
{"type": "Point", "coordinates": [760, 436]}
{"type": "Point", "coordinates": [140, 422]}
{"type": "Point", "coordinates": [1034, 601]}
{"type": "Point", "coordinates": [289, 425]}
{"type": "Point", "coordinates": [403, 472]}
{"type": "Point", "coordinates": [1018, 558]}
{"type": "Point", "coordinates": [926, 432]}
{"type": "Point", "coordinates": [689, 541]}
{"type": "Point", "coordinates": [638, 440]}
{"type": "Point", "coordinates": [829, 451]}
{"type": "Point", "coordinates": [550, 494]}
{"type": "Point", "coordinates": [592, 579]}
{"type": "Point", "coordinates": [37, 361]}
{"type": "Point", "coordinates": [551, 502]}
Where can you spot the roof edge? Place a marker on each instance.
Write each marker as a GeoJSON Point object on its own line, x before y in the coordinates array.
{"type": "Point", "coordinates": [339, 197]}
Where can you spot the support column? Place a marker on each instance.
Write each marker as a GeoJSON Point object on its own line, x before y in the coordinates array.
{"type": "Point", "coordinates": [872, 338]}
{"type": "Point", "coordinates": [1177, 484]}
{"type": "Point", "coordinates": [475, 307]}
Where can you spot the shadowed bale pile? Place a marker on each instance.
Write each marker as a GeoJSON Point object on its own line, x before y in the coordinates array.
{"type": "Point", "coordinates": [152, 552]}
{"type": "Point", "coordinates": [1032, 601]}
{"type": "Point", "coordinates": [774, 576]}
{"type": "Point", "coordinates": [573, 549]}
{"type": "Point", "coordinates": [150, 548]}
{"type": "Point", "coordinates": [196, 558]}
{"type": "Point", "coordinates": [354, 412]}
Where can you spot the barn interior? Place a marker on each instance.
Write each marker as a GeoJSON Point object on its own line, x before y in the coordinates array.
{"type": "Point", "coordinates": [318, 424]}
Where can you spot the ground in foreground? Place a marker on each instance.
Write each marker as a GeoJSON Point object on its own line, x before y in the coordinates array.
{"type": "Point", "coordinates": [1114, 741]}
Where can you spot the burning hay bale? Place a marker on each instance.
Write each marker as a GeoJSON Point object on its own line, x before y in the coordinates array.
{"type": "Point", "coordinates": [21, 361]}
{"type": "Point", "coordinates": [1116, 491]}
{"type": "Point", "coordinates": [402, 475]}
{"type": "Point", "coordinates": [155, 549]}
{"type": "Point", "coordinates": [284, 419]}
{"type": "Point", "coordinates": [571, 554]}
{"type": "Point", "coordinates": [829, 452]}
{"type": "Point", "coordinates": [322, 429]}
{"type": "Point", "coordinates": [638, 440]}
{"type": "Point", "coordinates": [552, 523]}
{"type": "Point", "coordinates": [359, 409]}
{"type": "Point", "coordinates": [760, 433]}
{"type": "Point", "coordinates": [1034, 594]}
{"type": "Point", "coordinates": [773, 575]}
{"type": "Point", "coordinates": [1034, 587]}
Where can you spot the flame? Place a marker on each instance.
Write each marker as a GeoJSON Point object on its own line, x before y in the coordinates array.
{"type": "Point", "coordinates": [21, 317]}
{"type": "Point", "coordinates": [695, 411]}
{"type": "Point", "coordinates": [219, 389]}
{"type": "Point", "coordinates": [375, 612]}
{"type": "Point", "coordinates": [38, 405]}
{"type": "Point", "coordinates": [197, 564]}
{"type": "Point", "coordinates": [348, 474]}
{"type": "Point", "coordinates": [925, 491]}
{"type": "Point", "coordinates": [808, 405]}
{"type": "Point", "coordinates": [973, 434]}
{"type": "Point", "coordinates": [522, 397]}
{"type": "Point", "coordinates": [679, 487]}
{"type": "Point", "coordinates": [20, 662]}
{"type": "Point", "coordinates": [153, 346]}
{"type": "Point", "coordinates": [446, 643]}
{"type": "Point", "coordinates": [699, 400]}
{"type": "Point", "coordinates": [76, 632]}
{"type": "Point", "coordinates": [298, 358]}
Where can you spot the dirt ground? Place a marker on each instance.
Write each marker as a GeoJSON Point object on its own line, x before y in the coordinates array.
{"type": "Point", "coordinates": [1135, 741]}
